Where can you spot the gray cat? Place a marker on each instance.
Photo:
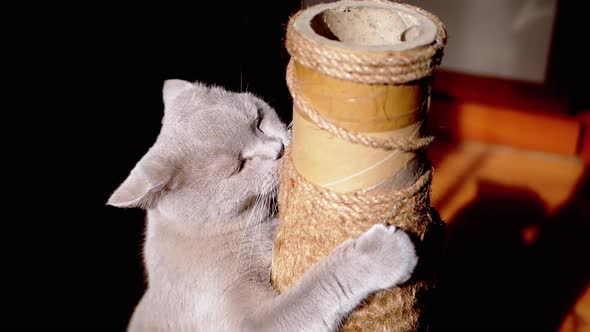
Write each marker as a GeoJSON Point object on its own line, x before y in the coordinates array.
{"type": "Point", "coordinates": [208, 185]}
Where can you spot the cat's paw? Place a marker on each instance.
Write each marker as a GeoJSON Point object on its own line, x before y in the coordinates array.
{"type": "Point", "coordinates": [387, 254]}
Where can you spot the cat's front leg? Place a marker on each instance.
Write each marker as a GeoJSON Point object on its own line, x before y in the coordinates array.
{"type": "Point", "coordinates": [381, 258]}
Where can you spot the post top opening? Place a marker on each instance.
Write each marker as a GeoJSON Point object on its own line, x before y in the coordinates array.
{"type": "Point", "coordinates": [366, 26]}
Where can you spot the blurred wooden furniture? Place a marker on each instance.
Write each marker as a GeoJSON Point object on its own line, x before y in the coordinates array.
{"type": "Point", "coordinates": [503, 112]}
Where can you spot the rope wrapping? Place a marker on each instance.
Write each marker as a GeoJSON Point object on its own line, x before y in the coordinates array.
{"type": "Point", "coordinates": [405, 145]}
{"type": "Point", "coordinates": [392, 67]}
{"type": "Point", "coordinates": [308, 215]}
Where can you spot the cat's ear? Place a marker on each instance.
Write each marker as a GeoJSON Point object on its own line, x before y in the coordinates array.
{"type": "Point", "coordinates": [173, 89]}
{"type": "Point", "coordinates": [143, 186]}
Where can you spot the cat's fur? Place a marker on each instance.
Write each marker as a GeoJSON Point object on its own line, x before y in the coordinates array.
{"type": "Point", "coordinates": [206, 185]}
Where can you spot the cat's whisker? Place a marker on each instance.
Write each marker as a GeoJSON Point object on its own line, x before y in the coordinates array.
{"type": "Point", "coordinates": [265, 206]}
{"type": "Point", "coordinates": [243, 236]}
{"type": "Point", "coordinates": [262, 206]}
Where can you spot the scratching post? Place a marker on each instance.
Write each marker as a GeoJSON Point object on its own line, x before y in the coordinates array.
{"type": "Point", "coordinates": [360, 79]}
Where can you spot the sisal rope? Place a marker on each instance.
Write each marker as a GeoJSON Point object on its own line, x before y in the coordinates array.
{"type": "Point", "coordinates": [392, 143]}
{"type": "Point", "coordinates": [389, 67]}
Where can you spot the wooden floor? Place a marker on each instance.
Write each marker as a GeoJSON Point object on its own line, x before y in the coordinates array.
{"type": "Point", "coordinates": [518, 239]}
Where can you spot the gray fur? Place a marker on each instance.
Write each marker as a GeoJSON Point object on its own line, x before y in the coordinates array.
{"type": "Point", "coordinates": [208, 185]}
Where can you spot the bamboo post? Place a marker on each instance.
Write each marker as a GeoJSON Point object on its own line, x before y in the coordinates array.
{"type": "Point", "coordinates": [360, 79]}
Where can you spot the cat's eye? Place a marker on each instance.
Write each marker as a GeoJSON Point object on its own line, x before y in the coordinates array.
{"type": "Point", "coordinates": [259, 122]}
{"type": "Point", "coordinates": [240, 166]}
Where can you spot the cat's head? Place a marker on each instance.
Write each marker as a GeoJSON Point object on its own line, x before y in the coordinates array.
{"type": "Point", "coordinates": [216, 157]}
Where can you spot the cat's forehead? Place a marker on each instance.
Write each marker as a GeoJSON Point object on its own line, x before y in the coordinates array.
{"type": "Point", "coordinates": [212, 105]}
{"type": "Point", "coordinates": [220, 103]}
{"type": "Point", "coordinates": [245, 104]}
{"type": "Point", "coordinates": [214, 116]}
